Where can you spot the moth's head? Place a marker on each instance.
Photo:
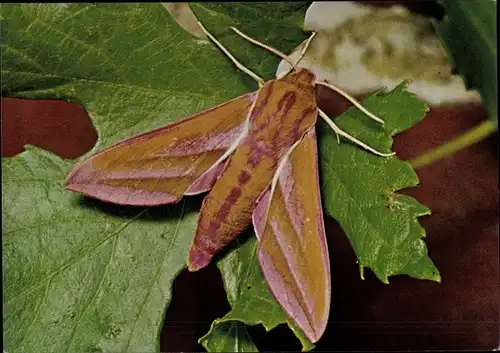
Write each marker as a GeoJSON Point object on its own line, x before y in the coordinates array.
{"type": "Point", "coordinates": [301, 76]}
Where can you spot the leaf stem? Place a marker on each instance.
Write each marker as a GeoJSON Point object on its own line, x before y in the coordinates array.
{"type": "Point", "coordinates": [470, 137]}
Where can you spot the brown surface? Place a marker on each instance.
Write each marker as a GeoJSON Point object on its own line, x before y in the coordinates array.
{"type": "Point", "coordinates": [59, 127]}
{"type": "Point", "coordinates": [462, 238]}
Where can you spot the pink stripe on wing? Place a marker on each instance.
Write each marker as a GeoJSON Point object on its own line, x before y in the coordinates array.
{"type": "Point", "coordinates": [124, 195]}
{"type": "Point", "coordinates": [202, 143]}
{"type": "Point", "coordinates": [289, 254]}
{"type": "Point", "coordinates": [286, 297]}
{"type": "Point", "coordinates": [295, 212]}
{"type": "Point", "coordinates": [206, 180]}
{"type": "Point", "coordinates": [260, 212]}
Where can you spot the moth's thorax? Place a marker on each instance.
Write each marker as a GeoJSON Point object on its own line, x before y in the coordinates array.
{"type": "Point", "coordinates": [283, 111]}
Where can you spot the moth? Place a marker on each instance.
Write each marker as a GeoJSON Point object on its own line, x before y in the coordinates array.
{"type": "Point", "coordinates": [257, 156]}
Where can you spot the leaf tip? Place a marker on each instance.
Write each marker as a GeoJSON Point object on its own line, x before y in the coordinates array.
{"type": "Point", "coordinates": [404, 85]}
{"type": "Point", "coordinates": [435, 276]}
{"type": "Point", "coordinates": [361, 271]}
{"type": "Point", "coordinates": [307, 344]}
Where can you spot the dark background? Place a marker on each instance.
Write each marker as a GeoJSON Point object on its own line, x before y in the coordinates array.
{"type": "Point", "coordinates": [462, 237]}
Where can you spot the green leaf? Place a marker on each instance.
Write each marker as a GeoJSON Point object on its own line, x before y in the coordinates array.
{"type": "Point", "coordinates": [468, 33]}
{"type": "Point", "coordinates": [78, 275]}
{"type": "Point", "coordinates": [231, 336]}
{"type": "Point", "coordinates": [249, 297]}
{"type": "Point", "coordinates": [359, 188]}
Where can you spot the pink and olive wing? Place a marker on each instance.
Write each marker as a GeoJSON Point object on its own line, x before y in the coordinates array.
{"type": "Point", "coordinates": [292, 251]}
{"type": "Point", "coordinates": [161, 166]}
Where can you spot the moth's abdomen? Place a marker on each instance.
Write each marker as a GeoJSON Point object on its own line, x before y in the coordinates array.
{"type": "Point", "coordinates": [227, 210]}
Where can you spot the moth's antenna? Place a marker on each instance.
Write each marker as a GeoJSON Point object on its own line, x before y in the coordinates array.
{"type": "Point", "coordinates": [352, 100]}
{"type": "Point", "coordinates": [340, 132]}
{"type": "Point", "coordinates": [240, 66]}
{"type": "Point", "coordinates": [303, 52]}
{"type": "Point", "coordinates": [271, 49]}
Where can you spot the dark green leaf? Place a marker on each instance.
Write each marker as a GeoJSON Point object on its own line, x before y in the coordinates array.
{"type": "Point", "coordinates": [359, 188]}
{"type": "Point", "coordinates": [468, 33]}
{"type": "Point", "coordinates": [231, 336]}
{"type": "Point", "coordinates": [79, 277]}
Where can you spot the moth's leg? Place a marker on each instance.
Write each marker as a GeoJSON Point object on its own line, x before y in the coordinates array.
{"type": "Point", "coordinates": [257, 78]}
{"type": "Point", "coordinates": [303, 52]}
{"type": "Point", "coordinates": [352, 100]}
{"type": "Point", "coordinates": [340, 132]}
{"type": "Point", "coordinates": [271, 49]}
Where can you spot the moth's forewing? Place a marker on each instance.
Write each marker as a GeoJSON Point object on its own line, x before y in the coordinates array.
{"type": "Point", "coordinates": [292, 248]}
{"type": "Point", "coordinates": [159, 166]}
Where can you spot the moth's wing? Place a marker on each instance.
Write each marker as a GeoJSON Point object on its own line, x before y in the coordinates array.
{"type": "Point", "coordinates": [160, 166]}
{"type": "Point", "coordinates": [292, 249]}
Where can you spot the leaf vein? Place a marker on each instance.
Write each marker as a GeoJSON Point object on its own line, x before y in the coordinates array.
{"type": "Point", "coordinates": [115, 84]}
{"type": "Point", "coordinates": [76, 259]}
{"type": "Point", "coordinates": [94, 295]}
{"type": "Point", "coordinates": [38, 309]}
{"type": "Point", "coordinates": [157, 274]}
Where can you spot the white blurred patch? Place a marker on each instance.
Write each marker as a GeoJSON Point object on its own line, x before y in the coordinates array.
{"type": "Point", "coordinates": [363, 48]}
